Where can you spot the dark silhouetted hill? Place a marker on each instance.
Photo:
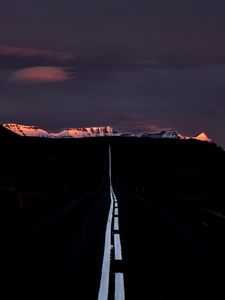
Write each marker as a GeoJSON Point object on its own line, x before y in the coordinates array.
{"type": "Point", "coordinates": [7, 133]}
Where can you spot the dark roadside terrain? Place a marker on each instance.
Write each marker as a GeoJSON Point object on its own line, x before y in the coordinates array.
{"type": "Point", "coordinates": [55, 203]}
{"type": "Point", "coordinates": [171, 196]}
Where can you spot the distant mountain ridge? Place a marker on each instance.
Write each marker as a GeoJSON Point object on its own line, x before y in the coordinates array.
{"type": "Point", "coordinates": [84, 132]}
{"type": "Point", "coordinates": [173, 134]}
{"type": "Point", "coordinates": [34, 131]}
{"type": "Point", "coordinates": [24, 130]}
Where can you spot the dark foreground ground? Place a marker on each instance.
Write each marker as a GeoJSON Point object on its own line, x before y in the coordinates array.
{"type": "Point", "coordinates": [55, 203]}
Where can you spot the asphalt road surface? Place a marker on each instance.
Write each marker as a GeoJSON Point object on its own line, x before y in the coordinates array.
{"type": "Point", "coordinates": [114, 245]}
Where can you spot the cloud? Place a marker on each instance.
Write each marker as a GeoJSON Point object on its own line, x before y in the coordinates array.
{"type": "Point", "coordinates": [220, 111]}
{"type": "Point", "coordinates": [39, 74]}
{"type": "Point", "coordinates": [133, 123]}
{"type": "Point", "coordinates": [26, 52]}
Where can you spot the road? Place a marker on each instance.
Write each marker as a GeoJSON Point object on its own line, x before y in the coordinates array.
{"type": "Point", "coordinates": [114, 245]}
{"type": "Point", "coordinates": [61, 259]}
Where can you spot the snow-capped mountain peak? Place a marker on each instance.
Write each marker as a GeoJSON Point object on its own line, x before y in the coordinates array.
{"type": "Point", "coordinates": [170, 133]}
{"type": "Point", "coordinates": [101, 131]}
{"type": "Point", "coordinates": [202, 137]}
{"type": "Point", "coordinates": [84, 132]}
{"type": "Point", "coordinates": [34, 131]}
{"type": "Point", "coordinates": [25, 130]}
{"type": "Point", "coordinates": [165, 134]}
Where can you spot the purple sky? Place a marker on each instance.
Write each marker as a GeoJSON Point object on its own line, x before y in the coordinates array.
{"type": "Point", "coordinates": [131, 64]}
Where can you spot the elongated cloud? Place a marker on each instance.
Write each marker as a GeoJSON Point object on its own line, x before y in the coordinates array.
{"type": "Point", "coordinates": [40, 74]}
{"type": "Point", "coordinates": [131, 122]}
{"type": "Point", "coordinates": [26, 52]}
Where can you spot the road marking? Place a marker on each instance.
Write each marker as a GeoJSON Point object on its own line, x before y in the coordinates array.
{"type": "Point", "coordinates": [104, 283]}
{"type": "Point", "coordinates": [117, 247]}
{"type": "Point", "coordinates": [116, 223]}
{"type": "Point", "coordinates": [103, 293]}
{"type": "Point", "coordinates": [114, 196]}
{"type": "Point", "coordinates": [119, 287]}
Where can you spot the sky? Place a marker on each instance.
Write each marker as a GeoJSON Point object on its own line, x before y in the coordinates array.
{"type": "Point", "coordinates": [137, 65]}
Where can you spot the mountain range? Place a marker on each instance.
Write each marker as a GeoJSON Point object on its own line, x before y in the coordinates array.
{"type": "Point", "coordinates": [34, 131]}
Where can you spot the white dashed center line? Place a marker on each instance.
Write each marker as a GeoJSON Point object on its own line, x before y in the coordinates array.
{"type": "Point", "coordinates": [116, 223]}
{"type": "Point", "coordinates": [119, 290]}
{"type": "Point", "coordinates": [119, 286]}
{"type": "Point", "coordinates": [117, 245]}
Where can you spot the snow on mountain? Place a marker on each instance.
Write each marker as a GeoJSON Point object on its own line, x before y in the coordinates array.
{"type": "Point", "coordinates": [168, 134]}
{"type": "Point", "coordinates": [84, 132]}
{"type": "Point", "coordinates": [202, 137]}
{"type": "Point", "coordinates": [173, 134]}
{"type": "Point", "coordinates": [33, 131]}
{"type": "Point", "coordinates": [24, 130]}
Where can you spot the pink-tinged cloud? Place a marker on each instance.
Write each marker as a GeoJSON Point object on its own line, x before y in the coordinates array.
{"type": "Point", "coordinates": [39, 75]}
{"type": "Point", "coordinates": [220, 111]}
{"type": "Point", "coordinates": [26, 52]}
